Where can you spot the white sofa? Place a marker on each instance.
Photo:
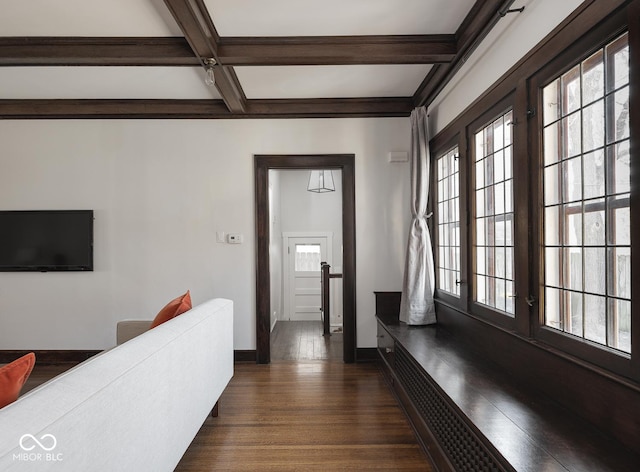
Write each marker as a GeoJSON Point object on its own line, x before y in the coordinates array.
{"type": "Point", "coordinates": [135, 407]}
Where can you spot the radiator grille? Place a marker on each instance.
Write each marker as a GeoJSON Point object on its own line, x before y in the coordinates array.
{"type": "Point", "coordinates": [464, 450]}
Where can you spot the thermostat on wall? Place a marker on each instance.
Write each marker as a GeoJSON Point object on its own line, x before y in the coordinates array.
{"type": "Point", "coordinates": [234, 238]}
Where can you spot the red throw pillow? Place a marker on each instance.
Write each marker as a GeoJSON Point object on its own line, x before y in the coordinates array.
{"type": "Point", "coordinates": [13, 376]}
{"type": "Point", "coordinates": [175, 307]}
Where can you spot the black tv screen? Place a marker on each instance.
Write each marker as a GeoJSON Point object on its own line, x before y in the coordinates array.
{"type": "Point", "coordinates": [47, 240]}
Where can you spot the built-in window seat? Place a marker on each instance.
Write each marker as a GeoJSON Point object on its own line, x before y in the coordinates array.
{"type": "Point", "coordinates": [470, 415]}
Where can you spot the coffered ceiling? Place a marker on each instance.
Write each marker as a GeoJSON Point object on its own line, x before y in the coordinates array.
{"type": "Point", "coordinates": [276, 58]}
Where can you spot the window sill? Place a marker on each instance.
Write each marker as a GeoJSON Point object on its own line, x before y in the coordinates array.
{"type": "Point", "coordinates": [543, 344]}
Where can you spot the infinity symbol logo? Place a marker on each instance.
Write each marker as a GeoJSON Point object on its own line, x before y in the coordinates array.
{"type": "Point", "coordinates": [42, 438]}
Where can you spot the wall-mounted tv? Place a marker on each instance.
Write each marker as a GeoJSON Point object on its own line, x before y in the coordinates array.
{"type": "Point", "coordinates": [46, 240]}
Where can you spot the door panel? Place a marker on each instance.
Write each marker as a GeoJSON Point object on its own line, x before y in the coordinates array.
{"type": "Point", "coordinates": [304, 257]}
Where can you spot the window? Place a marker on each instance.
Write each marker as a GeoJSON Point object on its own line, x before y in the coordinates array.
{"type": "Point", "coordinates": [586, 192]}
{"type": "Point", "coordinates": [493, 236]}
{"type": "Point", "coordinates": [307, 258]}
{"type": "Point", "coordinates": [547, 196]}
{"type": "Point", "coordinates": [449, 222]}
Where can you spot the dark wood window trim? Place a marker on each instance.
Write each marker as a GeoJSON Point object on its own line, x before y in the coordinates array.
{"type": "Point", "coordinates": [595, 23]}
{"type": "Point", "coordinates": [480, 310]}
{"type": "Point", "coordinates": [457, 141]}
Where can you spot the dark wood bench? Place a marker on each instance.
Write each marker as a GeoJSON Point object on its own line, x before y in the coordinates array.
{"type": "Point", "coordinates": [470, 415]}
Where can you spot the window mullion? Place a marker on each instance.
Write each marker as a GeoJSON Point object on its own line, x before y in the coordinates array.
{"type": "Point", "coordinates": [588, 198]}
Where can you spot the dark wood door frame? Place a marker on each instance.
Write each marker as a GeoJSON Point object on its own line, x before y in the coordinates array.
{"type": "Point", "coordinates": [262, 165]}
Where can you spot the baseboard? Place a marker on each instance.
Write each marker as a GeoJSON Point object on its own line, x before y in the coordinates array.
{"type": "Point", "coordinates": [49, 356]}
{"type": "Point", "coordinates": [367, 354]}
{"type": "Point", "coordinates": [43, 357]}
{"type": "Point", "coordinates": [248, 355]}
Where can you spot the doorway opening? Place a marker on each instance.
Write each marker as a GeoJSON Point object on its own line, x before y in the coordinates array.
{"type": "Point", "coordinates": [264, 290]}
{"type": "Point", "coordinates": [305, 240]}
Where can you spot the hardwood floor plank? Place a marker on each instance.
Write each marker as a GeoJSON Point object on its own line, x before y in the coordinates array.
{"type": "Point", "coordinates": [334, 458]}
{"type": "Point", "coordinates": [306, 416]}
{"type": "Point", "coordinates": [303, 340]}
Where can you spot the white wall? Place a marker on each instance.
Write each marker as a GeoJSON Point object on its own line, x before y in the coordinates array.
{"type": "Point", "coordinates": [509, 41]}
{"type": "Point", "coordinates": [160, 190]}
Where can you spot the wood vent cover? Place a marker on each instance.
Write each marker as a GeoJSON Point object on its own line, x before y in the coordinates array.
{"type": "Point", "coordinates": [461, 445]}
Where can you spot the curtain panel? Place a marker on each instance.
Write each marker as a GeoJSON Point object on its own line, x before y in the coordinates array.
{"type": "Point", "coordinates": [417, 307]}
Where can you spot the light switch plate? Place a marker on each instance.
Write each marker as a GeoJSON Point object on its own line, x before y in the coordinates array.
{"type": "Point", "coordinates": [234, 238]}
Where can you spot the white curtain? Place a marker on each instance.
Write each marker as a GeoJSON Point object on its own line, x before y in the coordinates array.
{"type": "Point", "coordinates": [417, 306]}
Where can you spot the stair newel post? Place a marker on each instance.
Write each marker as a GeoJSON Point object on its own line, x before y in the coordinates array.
{"type": "Point", "coordinates": [325, 305]}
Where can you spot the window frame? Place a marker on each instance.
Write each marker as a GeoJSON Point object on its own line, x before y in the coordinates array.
{"type": "Point", "coordinates": [595, 353]}
{"type": "Point", "coordinates": [482, 311]}
{"type": "Point", "coordinates": [437, 152]}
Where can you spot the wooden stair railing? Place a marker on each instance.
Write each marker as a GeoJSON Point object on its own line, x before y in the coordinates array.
{"type": "Point", "coordinates": [325, 305]}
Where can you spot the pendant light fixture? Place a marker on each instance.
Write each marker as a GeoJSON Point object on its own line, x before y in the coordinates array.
{"type": "Point", "coordinates": [321, 181]}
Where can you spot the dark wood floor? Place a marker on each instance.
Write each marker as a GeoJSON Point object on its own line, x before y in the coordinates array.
{"type": "Point", "coordinates": [307, 410]}
{"type": "Point", "coordinates": [300, 416]}
{"type": "Point", "coordinates": [303, 340]}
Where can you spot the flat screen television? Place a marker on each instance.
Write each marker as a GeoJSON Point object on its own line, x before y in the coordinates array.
{"type": "Point", "coordinates": [46, 240]}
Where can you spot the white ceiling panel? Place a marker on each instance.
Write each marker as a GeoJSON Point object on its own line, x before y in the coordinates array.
{"type": "Point", "coordinates": [332, 81]}
{"type": "Point", "coordinates": [336, 17]}
{"type": "Point", "coordinates": [86, 18]}
{"type": "Point", "coordinates": [104, 83]}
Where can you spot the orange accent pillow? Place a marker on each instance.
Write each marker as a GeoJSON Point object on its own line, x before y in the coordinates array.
{"type": "Point", "coordinates": [13, 376]}
{"type": "Point", "coordinates": [175, 307]}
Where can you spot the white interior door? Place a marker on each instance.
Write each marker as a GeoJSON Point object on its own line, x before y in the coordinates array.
{"type": "Point", "coordinates": [304, 284]}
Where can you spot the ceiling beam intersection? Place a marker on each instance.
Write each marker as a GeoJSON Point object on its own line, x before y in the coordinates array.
{"type": "Point", "coordinates": [480, 20]}
{"type": "Point", "coordinates": [193, 19]}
